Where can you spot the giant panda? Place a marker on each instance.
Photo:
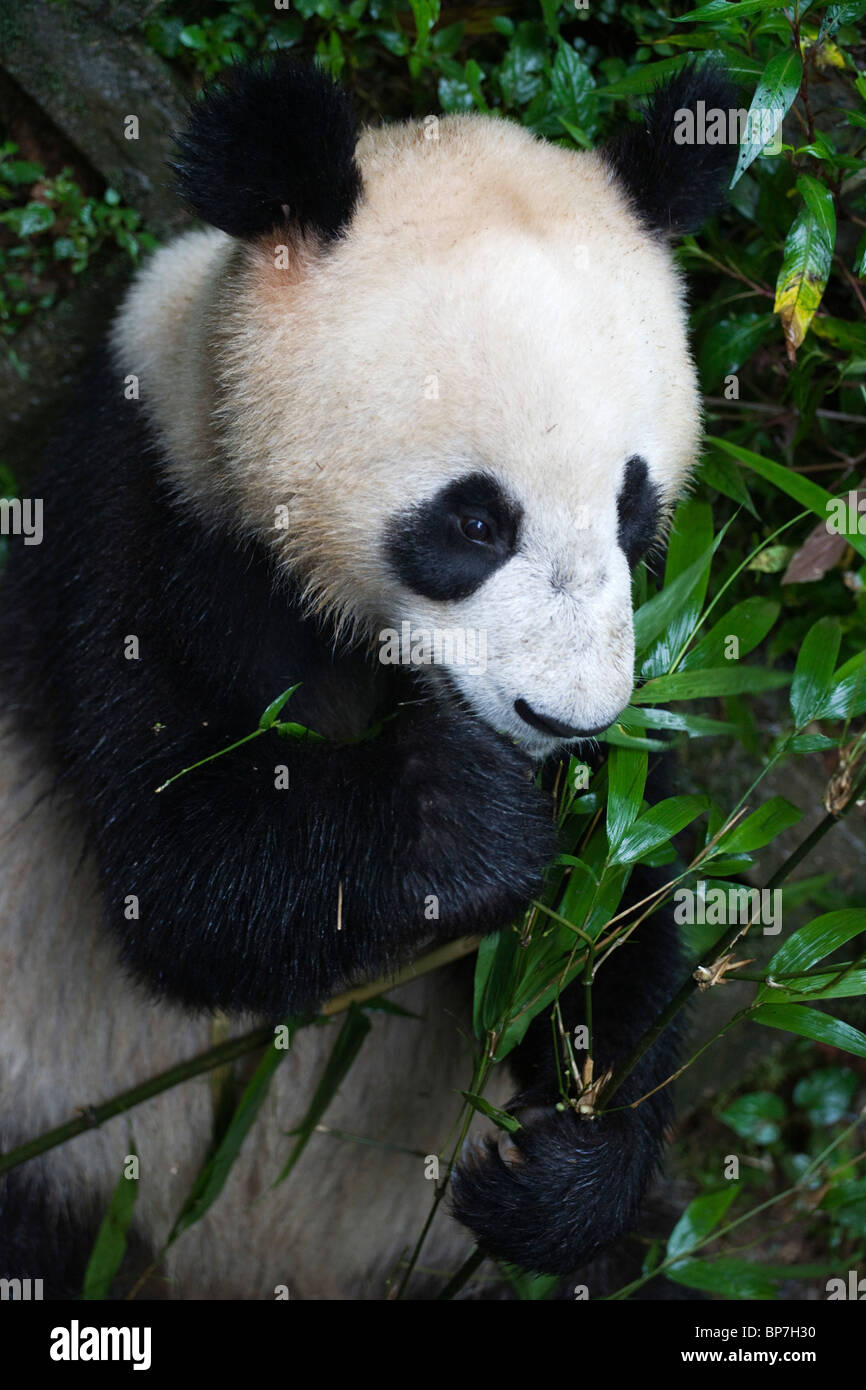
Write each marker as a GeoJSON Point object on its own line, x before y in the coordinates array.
{"type": "Point", "coordinates": [434, 375]}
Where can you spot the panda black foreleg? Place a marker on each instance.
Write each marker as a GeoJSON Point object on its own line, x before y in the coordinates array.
{"type": "Point", "coordinates": [554, 1194]}
{"type": "Point", "coordinates": [253, 894]}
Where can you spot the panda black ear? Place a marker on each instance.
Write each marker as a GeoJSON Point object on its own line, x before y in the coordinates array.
{"type": "Point", "coordinates": [675, 187]}
{"type": "Point", "coordinates": [272, 144]}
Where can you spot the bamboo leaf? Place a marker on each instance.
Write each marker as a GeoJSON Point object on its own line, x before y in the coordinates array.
{"type": "Point", "coordinates": [213, 1176]}
{"type": "Point", "coordinates": [810, 1023]}
{"type": "Point", "coordinates": [691, 542]}
{"type": "Point", "coordinates": [817, 939]}
{"type": "Point", "coordinates": [627, 771]}
{"type": "Point", "coordinates": [725, 477]}
{"type": "Point", "coordinates": [699, 685]}
{"type": "Point", "coordinates": [493, 976]}
{"type": "Point", "coordinates": [110, 1245]}
{"type": "Point", "coordinates": [499, 1117]}
{"type": "Point", "coordinates": [846, 697]}
{"type": "Point", "coordinates": [653, 616]}
{"type": "Point", "coordinates": [658, 825]}
{"type": "Point", "coordinates": [760, 827]}
{"type": "Point", "coordinates": [269, 718]}
{"type": "Point", "coordinates": [695, 725]}
{"type": "Point", "coordinates": [350, 1038]}
{"type": "Point", "coordinates": [749, 622]}
{"type": "Point", "coordinates": [810, 495]}
{"type": "Point", "coordinates": [813, 673]}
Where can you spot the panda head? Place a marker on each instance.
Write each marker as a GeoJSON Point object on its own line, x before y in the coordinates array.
{"type": "Point", "coordinates": [446, 372]}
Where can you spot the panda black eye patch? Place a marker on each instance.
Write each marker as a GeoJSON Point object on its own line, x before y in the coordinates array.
{"type": "Point", "coordinates": [638, 508]}
{"type": "Point", "coordinates": [446, 547]}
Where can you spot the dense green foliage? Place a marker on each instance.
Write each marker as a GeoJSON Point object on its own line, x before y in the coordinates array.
{"type": "Point", "coordinates": [53, 229]}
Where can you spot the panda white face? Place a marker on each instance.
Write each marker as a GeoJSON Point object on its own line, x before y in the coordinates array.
{"type": "Point", "coordinates": [468, 414]}
{"type": "Point", "coordinates": [520, 616]}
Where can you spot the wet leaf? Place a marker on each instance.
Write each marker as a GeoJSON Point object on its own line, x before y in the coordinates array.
{"type": "Point", "coordinates": [775, 94]}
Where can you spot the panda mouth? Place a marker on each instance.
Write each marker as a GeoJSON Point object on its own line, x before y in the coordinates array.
{"type": "Point", "coordinates": [545, 725]}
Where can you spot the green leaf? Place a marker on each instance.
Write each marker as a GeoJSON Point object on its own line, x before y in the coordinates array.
{"type": "Point", "coordinates": [193, 36]}
{"type": "Point", "coordinates": [695, 725]}
{"type": "Point", "coordinates": [531, 1287]}
{"type": "Point", "coordinates": [287, 729]}
{"type": "Point", "coordinates": [725, 477]}
{"type": "Point", "coordinates": [474, 77]}
{"type": "Point", "coordinates": [447, 41]}
{"type": "Point", "coordinates": [658, 825]}
{"type": "Point", "coordinates": [838, 15]}
{"type": "Point", "coordinates": [494, 972]}
{"type": "Point", "coordinates": [812, 743]}
{"type": "Point", "coordinates": [617, 739]}
{"type": "Point", "coordinates": [816, 940]}
{"type": "Point", "coordinates": [826, 1095]}
{"type": "Point", "coordinates": [748, 621]}
{"type": "Point", "coordinates": [757, 1116]}
{"type": "Point", "coordinates": [572, 83]}
{"type": "Point", "coordinates": [30, 220]}
{"type": "Point", "coordinates": [821, 984]}
{"type": "Point", "coordinates": [213, 1176]}
{"type": "Point", "coordinates": [626, 771]}
{"type": "Point", "coordinates": [269, 718]}
{"type": "Point", "coordinates": [499, 1117]}
{"type": "Point", "coordinates": [579, 137]}
{"type": "Point", "coordinates": [654, 615]}
{"type": "Point", "coordinates": [810, 1023]}
{"type": "Point", "coordinates": [349, 1041]}
{"type": "Point", "coordinates": [725, 10]}
{"type": "Point", "coordinates": [521, 74]}
{"type": "Point", "coordinates": [716, 681]}
{"type": "Point", "coordinates": [691, 541]}
{"type": "Point", "coordinates": [700, 1217]}
{"type": "Point", "coordinates": [841, 333]}
{"type": "Point", "coordinates": [772, 559]}
{"type": "Point", "coordinates": [728, 1276]}
{"type": "Point", "coordinates": [110, 1245]}
{"type": "Point", "coordinates": [775, 94]}
{"type": "Point", "coordinates": [21, 171]}
{"type": "Point", "coordinates": [728, 343]}
{"type": "Point", "coordinates": [806, 261]}
{"type": "Point", "coordinates": [847, 695]}
{"type": "Point", "coordinates": [810, 495]}
{"type": "Point", "coordinates": [760, 827]}
{"type": "Point", "coordinates": [813, 673]}
{"type": "Point", "coordinates": [645, 78]}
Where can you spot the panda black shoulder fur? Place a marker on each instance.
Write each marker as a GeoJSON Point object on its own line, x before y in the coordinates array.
{"type": "Point", "coordinates": [464, 380]}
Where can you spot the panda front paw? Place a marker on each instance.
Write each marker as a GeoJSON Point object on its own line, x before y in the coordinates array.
{"type": "Point", "coordinates": [475, 826]}
{"type": "Point", "coordinates": [562, 1188]}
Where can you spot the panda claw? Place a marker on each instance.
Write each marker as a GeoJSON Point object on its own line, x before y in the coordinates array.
{"type": "Point", "coordinates": [508, 1150]}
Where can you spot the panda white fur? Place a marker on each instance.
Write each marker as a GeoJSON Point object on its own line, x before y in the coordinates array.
{"type": "Point", "coordinates": [465, 382]}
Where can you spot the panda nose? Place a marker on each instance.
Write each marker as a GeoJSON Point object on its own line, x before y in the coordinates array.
{"type": "Point", "coordinates": [555, 727]}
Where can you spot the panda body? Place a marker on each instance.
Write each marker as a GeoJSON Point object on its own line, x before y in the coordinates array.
{"type": "Point", "coordinates": [381, 353]}
{"type": "Point", "coordinates": [84, 1033]}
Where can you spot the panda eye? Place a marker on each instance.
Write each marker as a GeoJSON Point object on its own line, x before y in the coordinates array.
{"type": "Point", "coordinates": [474, 529]}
